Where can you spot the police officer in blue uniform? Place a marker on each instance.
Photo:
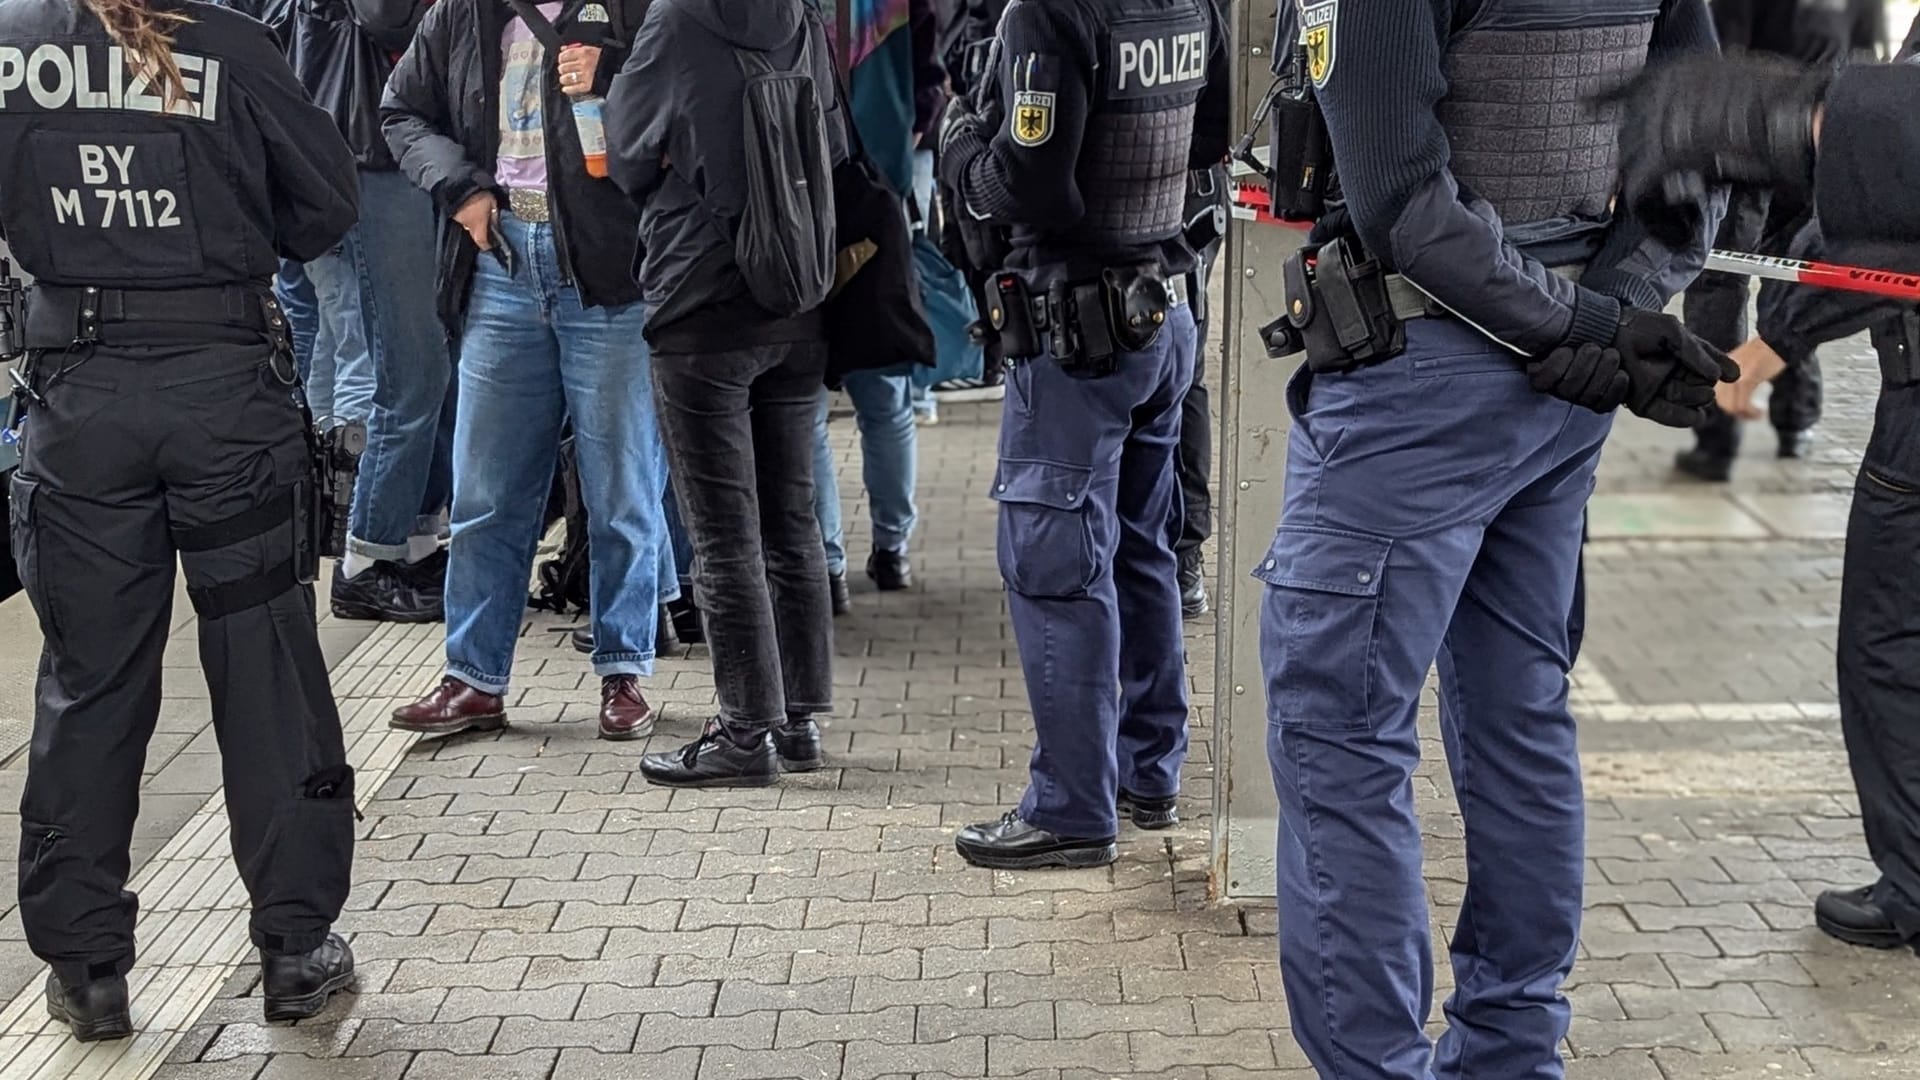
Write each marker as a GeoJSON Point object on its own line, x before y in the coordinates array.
{"type": "Point", "coordinates": [1102, 107]}
{"type": "Point", "coordinates": [1472, 316]}
{"type": "Point", "coordinates": [161, 158]}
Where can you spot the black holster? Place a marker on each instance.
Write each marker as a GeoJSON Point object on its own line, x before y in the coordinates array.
{"type": "Point", "coordinates": [1338, 310]}
{"type": "Point", "coordinates": [1085, 325]}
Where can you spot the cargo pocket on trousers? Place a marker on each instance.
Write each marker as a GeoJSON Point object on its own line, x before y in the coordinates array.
{"type": "Point", "coordinates": [305, 863]}
{"type": "Point", "coordinates": [1319, 625]}
{"type": "Point", "coordinates": [21, 511]}
{"type": "Point", "coordinates": [1046, 540]}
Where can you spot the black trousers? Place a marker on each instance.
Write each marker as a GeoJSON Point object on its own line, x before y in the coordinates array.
{"type": "Point", "coordinates": [1715, 308]}
{"type": "Point", "coordinates": [1879, 647]}
{"type": "Point", "coordinates": [739, 430]}
{"type": "Point", "coordinates": [1194, 463]}
{"type": "Point", "coordinates": [136, 452]}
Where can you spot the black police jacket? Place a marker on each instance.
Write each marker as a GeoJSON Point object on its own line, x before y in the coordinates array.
{"type": "Point", "coordinates": [343, 51]}
{"type": "Point", "coordinates": [442, 119]}
{"type": "Point", "coordinates": [103, 183]}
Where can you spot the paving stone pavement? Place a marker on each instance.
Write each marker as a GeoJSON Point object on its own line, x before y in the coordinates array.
{"type": "Point", "coordinates": [526, 906]}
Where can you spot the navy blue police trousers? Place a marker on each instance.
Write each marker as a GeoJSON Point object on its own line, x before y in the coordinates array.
{"type": "Point", "coordinates": [1433, 514]}
{"type": "Point", "coordinates": [1089, 513]}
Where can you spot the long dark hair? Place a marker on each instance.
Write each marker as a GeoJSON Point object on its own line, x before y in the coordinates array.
{"type": "Point", "coordinates": [146, 36]}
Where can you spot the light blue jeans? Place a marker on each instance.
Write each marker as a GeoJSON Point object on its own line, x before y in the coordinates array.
{"type": "Point", "coordinates": [826, 491]}
{"type": "Point", "coordinates": [889, 452]}
{"type": "Point", "coordinates": [406, 473]}
{"type": "Point", "coordinates": [531, 356]}
{"type": "Point", "coordinates": [340, 377]}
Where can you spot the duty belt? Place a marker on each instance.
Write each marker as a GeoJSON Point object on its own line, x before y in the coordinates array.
{"type": "Point", "coordinates": [529, 205]}
{"type": "Point", "coordinates": [59, 316]}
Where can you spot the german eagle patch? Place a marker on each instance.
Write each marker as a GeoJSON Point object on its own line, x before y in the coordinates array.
{"type": "Point", "coordinates": [1032, 118]}
{"type": "Point", "coordinates": [1317, 22]}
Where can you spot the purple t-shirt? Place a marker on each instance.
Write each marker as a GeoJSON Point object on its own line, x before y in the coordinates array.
{"type": "Point", "coordinates": [523, 141]}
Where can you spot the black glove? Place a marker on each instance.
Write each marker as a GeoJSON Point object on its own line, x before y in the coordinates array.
{"type": "Point", "coordinates": [1588, 376]}
{"type": "Point", "coordinates": [1708, 119]}
{"type": "Point", "coordinates": [1672, 373]}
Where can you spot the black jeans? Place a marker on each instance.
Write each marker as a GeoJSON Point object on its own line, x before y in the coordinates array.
{"type": "Point", "coordinates": [1194, 463]}
{"type": "Point", "coordinates": [739, 431]}
{"type": "Point", "coordinates": [1879, 649]}
{"type": "Point", "coordinates": [141, 457]}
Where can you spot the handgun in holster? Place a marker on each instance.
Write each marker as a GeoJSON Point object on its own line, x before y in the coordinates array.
{"type": "Point", "coordinates": [1338, 310]}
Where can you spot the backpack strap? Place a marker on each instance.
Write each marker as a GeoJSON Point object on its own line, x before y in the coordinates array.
{"type": "Point", "coordinates": [544, 31]}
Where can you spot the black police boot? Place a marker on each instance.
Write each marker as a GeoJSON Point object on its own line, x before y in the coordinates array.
{"type": "Point", "coordinates": [1795, 444]}
{"type": "Point", "coordinates": [94, 1011]}
{"type": "Point", "coordinates": [715, 759]}
{"type": "Point", "coordinates": [381, 593]}
{"type": "Point", "coordinates": [1013, 844]}
{"type": "Point", "coordinates": [1149, 813]}
{"type": "Point", "coordinates": [1704, 466]}
{"type": "Point", "coordinates": [297, 987]}
{"type": "Point", "coordinates": [582, 638]}
{"type": "Point", "coordinates": [798, 743]}
{"type": "Point", "coordinates": [1857, 918]}
{"type": "Point", "coordinates": [842, 596]}
{"type": "Point", "coordinates": [686, 622]}
{"type": "Point", "coordinates": [1193, 589]}
{"type": "Point", "coordinates": [890, 570]}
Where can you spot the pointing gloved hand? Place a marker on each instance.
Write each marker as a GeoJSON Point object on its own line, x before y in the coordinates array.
{"type": "Point", "coordinates": [1671, 373]}
{"type": "Point", "coordinates": [1707, 119]}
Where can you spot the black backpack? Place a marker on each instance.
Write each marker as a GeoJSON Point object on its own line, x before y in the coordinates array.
{"type": "Point", "coordinates": [785, 245]}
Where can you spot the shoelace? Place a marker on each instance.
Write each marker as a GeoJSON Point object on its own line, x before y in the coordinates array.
{"type": "Point", "coordinates": [713, 733]}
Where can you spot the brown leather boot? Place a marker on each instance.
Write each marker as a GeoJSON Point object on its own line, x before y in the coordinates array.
{"type": "Point", "coordinates": [624, 713]}
{"type": "Point", "coordinates": [452, 707]}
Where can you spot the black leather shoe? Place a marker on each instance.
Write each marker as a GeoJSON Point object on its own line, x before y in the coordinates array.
{"type": "Point", "coordinates": [892, 571]}
{"type": "Point", "coordinates": [798, 743]}
{"type": "Point", "coordinates": [686, 622]}
{"type": "Point", "coordinates": [582, 638]}
{"type": "Point", "coordinates": [1149, 813]}
{"type": "Point", "coordinates": [94, 1011]}
{"type": "Point", "coordinates": [1795, 444]}
{"type": "Point", "coordinates": [297, 987]}
{"type": "Point", "coordinates": [842, 596]}
{"type": "Point", "coordinates": [382, 594]}
{"type": "Point", "coordinates": [1013, 844]}
{"type": "Point", "coordinates": [1710, 468]}
{"type": "Point", "coordinates": [1855, 917]}
{"type": "Point", "coordinates": [715, 759]}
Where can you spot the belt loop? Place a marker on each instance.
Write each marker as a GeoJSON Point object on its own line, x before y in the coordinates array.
{"type": "Point", "coordinates": [87, 328]}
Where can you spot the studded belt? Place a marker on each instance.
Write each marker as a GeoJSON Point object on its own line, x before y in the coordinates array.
{"type": "Point", "coordinates": [529, 204]}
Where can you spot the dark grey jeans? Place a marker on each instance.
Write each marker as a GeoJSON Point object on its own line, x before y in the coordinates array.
{"type": "Point", "coordinates": [739, 430]}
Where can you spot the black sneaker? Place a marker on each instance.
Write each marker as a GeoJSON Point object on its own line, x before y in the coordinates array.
{"type": "Point", "coordinates": [1013, 844]}
{"type": "Point", "coordinates": [714, 759]}
{"type": "Point", "coordinates": [1856, 917]}
{"type": "Point", "coordinates": [1149, 814]}
{"type": "Point", "coordinates": [686, 622]}
{"type": "Point", "coordinates": [798, 744]}
{"type": "Point", "coordinates": [1701, 465]}
{"type": "Point", "coordinates": [381, 594]}
{"type": "Point", "coordinates": [890, 570]}
{"type": "Point", "coordinates": [1193, 589]}
{"type": "Point", "coordinates": [297, 987]}
{"type": "Point", "coordinates": [842, 596]}
{"type": "Point", "coordinates": [1795, 444]}
{"type": "Point", "coordinates": [429, 575]}
{"type": "Point", "coordinates": [582, 638]}
{"type": "Point", "coordinates": [93, 1011]}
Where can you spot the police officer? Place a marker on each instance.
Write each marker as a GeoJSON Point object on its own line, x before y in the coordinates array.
{"type": "Point", "coordinates": [161, 157]}
{"type": "Point", "coordinates": [1101, 108]}
{"type": "Point", "coordinates": [1471, 318]}
{"type": "Point", "coordinates": [1745, 122]}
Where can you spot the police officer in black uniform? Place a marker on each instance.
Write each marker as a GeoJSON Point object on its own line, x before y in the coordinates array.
{"type": "Point", "coordinates": [161, 157]}
{"type": "Point", "coordinates": [1852, 141]}
{"type": "Point", "coordinates": [1102, 107]}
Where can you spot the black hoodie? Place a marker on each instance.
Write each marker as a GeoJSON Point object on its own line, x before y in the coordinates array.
{"type": "Point", "coordinates": [675, 143]}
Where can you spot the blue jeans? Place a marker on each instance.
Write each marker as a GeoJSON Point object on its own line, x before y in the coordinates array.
{"type": "Point", "coordinates": [406, 474]}
{"type": "Point", "coordinates": [889, 451]}
{"type": "Point", "coordinates": [340, 380]}
{"type": "Point", "coordinates": [826, 491]}
{"type": "Point", "coordinates": [302, 310]}
{"type": "Point", "coordinates": [1414, 531]}
{"type": "Point", "coordinates": [531, 356]}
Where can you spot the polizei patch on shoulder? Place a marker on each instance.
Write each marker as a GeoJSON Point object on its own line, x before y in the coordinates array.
{"type": "Point", "coordinates": [1032, 117]}
{"type": "Point", "coordinates": [1317, 23]}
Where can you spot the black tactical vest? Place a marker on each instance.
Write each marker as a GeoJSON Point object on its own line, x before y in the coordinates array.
{"type": "Point", "coordinates": [1523, 138]}
{"type": "Point", "coordinates": [1132, 171]}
